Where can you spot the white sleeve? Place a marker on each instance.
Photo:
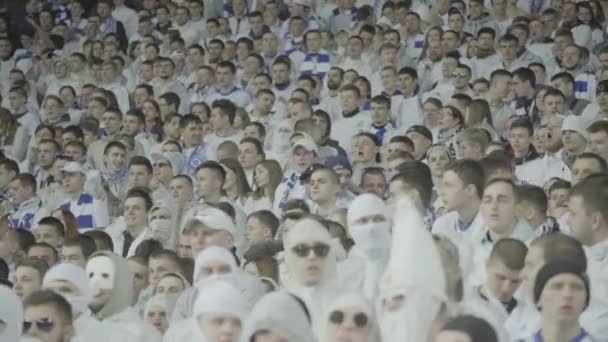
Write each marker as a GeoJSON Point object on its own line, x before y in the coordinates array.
{"type": "Point", "coordinates": [100, 213]}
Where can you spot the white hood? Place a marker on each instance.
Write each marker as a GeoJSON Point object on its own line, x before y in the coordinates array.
{"type": "Point", "coordinates": [11, 312]}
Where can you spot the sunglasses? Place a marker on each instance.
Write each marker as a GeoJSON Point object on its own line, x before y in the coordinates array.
{"type": "Point", "coordinates": [43, 324]}
{"type": "Point", "coordinates": [337, 317]}
{"type": "Point", "coordinates": [459, 75]}
{"type": "Point", "coordinates": [320, 249]}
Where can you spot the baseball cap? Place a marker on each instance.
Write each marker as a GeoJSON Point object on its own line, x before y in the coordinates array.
{"type": "Point", "coordinates": [577, 124]}
{"type": "Point", "coordinates": [73, 167]}
{"type": "Point", "coordinates": [306, 142]}
{"type": "Point", "coordinates": [338, 162]}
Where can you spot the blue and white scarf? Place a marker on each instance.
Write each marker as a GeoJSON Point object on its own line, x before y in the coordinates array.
{"type": "Point", "coordinates": [316, 65]}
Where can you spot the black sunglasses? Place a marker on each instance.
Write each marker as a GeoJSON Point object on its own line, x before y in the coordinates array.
{"type": "Point", "coordinates": [320, 249]}
{"type": "Point", "coordinates": [43, 324]}
{"type": "Point", "coordinates": [337, 317]}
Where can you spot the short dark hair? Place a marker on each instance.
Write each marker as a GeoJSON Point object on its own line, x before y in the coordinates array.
{"type": "Point", "coordinates": [171, 98]}
{"type": "Point", "coordinates": [418, 176]}
{"type": "Point", "coordinates": [534, 196]}
{"type": "Point", "coordinates": [590, 155]}
{"type": "Point", "coordinates": [141, 193]}
{"type": "Point", "coordinates": [85, 242]}
{"type": "Point", "coordinates": [470, 172]}
{"type": "Point", "coordinates": [53, 222]}
{"type": "Point", "coordinates": [51, 298]}
{"type": "Point", "coordinates": [598, 126]}
{"type": "Point", "coordinates": [27, 180]}
{"type": "Point", "coordinates": [227, 107]}
{"type": "Point", "coordinates": [594, 192]}
{"type": "Point", "coordinates": [10, 165]}
{"type": "Point", "coordinates": [255, 142]}
{"type": "Point", "coordinates": [510, 252]}
{"type": "Point", "coordinates": [266, 218]}
{"type": "Point", "coordinates": [563, 247]}
{"type": "Point", "coordinates": [215, 167]}
{"type": "Point", "coordinates": [141, 161]}
{"type": "Point", "coordinates": [523, 123]}
{"type": "Point", "coordinates": [525, 75]}
{"type": "Point", "coordinates": [102, 240]}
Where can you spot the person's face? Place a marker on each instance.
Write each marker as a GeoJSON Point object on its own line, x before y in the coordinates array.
{"type": "Point", "coordinates": [462, 78]}
{"type": "Point", "coordinates": [447, 119]}
{"type": "Point", "coordinates": [583, 168]}
{"type": "Point", "coordinates": [27, 280]}
{"type": "Point", "coordinates": [248, 156]}
{"type": "Point", "coordinates": [184, 246]}
{"type": "Point", "coordinates": [502, 281]}
{"type": "Point", "coordinates": [451, 191]}
{"type": "Point", "coordinates": [135, 212]}
{"type": "Point", "coordinates": [374, 184]}
{"type": "Point", "coordinates": [169, 285]}
{"type": "Point", "coordinates": [112, 122]}
{"type": "Point", "coordinates": [54, 329]}
{"type": "Point", "coordinates": [157, 316]}
{"type": "Point", "coordinates": [262, 176]}
{"type": "Point", "coordinates": [580, 220]}
{"type": "Point", "coordinates": [347, 323]}
{"type": "Point", "coordinates": [181, 191]}
{"type": "Point", "coordinates": [412, 24]}
{"type": "Point", "coordinates": [139, 176]}
{"type": "Point", "coordinates": [46, 155]}
{"type": "Point", "coordinates": [349, 101]}
{"type": "Point", "coordinates": [498, 207]}
{"type": "Point", "coordinates": [280, 73]}
{"type": "Point", "coordinates": [598, 142]}
{"type": "Point", "coordinates": [554, 104]}
{"type": "Point", "coordinates": [269, 43]}
{"type": "Point", "coordinates": [220, 327]}
{"type": "Point", "coordinates": [355, 48]}
{"type": "Point", "coordinates": [193, 134]}
{"type": "Point", "coordinates": [208, 183]}
{"type": "Point", "coordinates": [322, 187]}
{"type": "Point", "coordinates": [162, 171]}
{"type": "Point", "coordinates": [389, 79]}
{"type": "Point", "coordinates": [172, 128]}
{"type": "Point", "coordinates": [47, 233]}
{"type": "Point", "coordinates": [379, 113]}
{"type": "Point", "coordinates": [563, 297]}
{"type": "Point", "coordinates": [520, 139]}
{"type": "Point", "coordinates": [364, 150]}
{"type": "Point", "coordinates": [297, 27]}
{"type": "Point", "coordinates": [181, 16]}
{"type": "Point", "coordinates": [303, 158]}
{"type": "Point", "coordinates": [502, 87]}
{"type": "Point", "coordinates": [256, 231]}
{"type": "Point", "coordinates": [313, 42]}
{"type": "Point", "coordinates": [116, 159]}
{"type": "Point", "coordinates": [157, 267]}
{"type": "Point", "coordinates": [73, 255]}
{"type": "Point", "coordinates": [520, 88]}
{"type": "Point", "coordinates": [571, 57]}
{"type": "Point", "coordinates": [309, 268]}
{"type": "Point", "coordinates": [6, 177]}
{"type": "Point", "coordinates": [508, 50]}
{"type": "Point", "coordinates": [150, 111]}
{"type": "Point", "coordinates": [573, 141]}
{"type": "Point", "coordinates": [448, 66]}
{"type": "Point", "coordinates": [131, 125]}
{"type": "Point", "coordinates": [140, 277]}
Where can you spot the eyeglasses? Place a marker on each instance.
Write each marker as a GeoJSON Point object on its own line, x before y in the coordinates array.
{"type": "Point", "coordinates": [337, 317]}
{"type": "Point", "coordinates": [43, 324]}
{"type": "Point", "coordinates": [320, 249]}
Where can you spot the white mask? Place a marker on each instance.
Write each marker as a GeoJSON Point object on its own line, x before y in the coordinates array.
{"type": "Point", "coordinates": [161, 229]}
{"type": "Point", "coordinates": [372, 239]}
{"type": "Point", "coordinates": [101, 272]}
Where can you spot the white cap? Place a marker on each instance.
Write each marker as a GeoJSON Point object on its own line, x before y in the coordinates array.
{"type": "Point", "coordinates": [214, 219]}
{"type": "Point", "coordinates": [306, 142]}
{"type": "Point", "coordinates": [73, 167]}
{"type": "Point", "coordinates": [220, 297]}
{"type": "Point", "coordinates": [577, 124]}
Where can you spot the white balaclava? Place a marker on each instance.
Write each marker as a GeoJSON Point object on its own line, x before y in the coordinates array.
{"type": "Point", "coordinates": [215, 253]}
{"type": "Point", "coordinates": [162, 229]}
{"type": "Point", "coordinates": [11, 313]}
{"type": "Point", "coordinates": [76, 276]}
{"type": "Point", "coordinates": [414, 275]}
{"type": "Point", "coordinates": [372, 240]}
{"type": "Point", "coordinates": [218, 297]}
{"type": "Point", "coordinates": [280, 312]}
{"type": "Point", "coordinates": [352, 299]}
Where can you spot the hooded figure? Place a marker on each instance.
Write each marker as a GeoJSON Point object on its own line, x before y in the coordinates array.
{"type": "Point", "coordinates": [112, 285]}
{"type": "Point", "coordinates": [310, 257]}
{"type": "Point", "coordinates": [341, 321]}
{"type": "Point", "coordinates": [280, 313]}
{"type": "Point", "coordinates": [370, 227]}
{"type": "Point", "coordinates": [218, 299]}
{"type": "Point", "coordinates": [162, 224]}
{"type": "Point", "coordinates": [87, 328]}
{"type": "Point", "coordinates": [412, 288]}
{"type": "Point", "coordinates": [11, 313]}
{"type": "Point", "coordinates": [249, 286]}
{"type": "Point", "coordinates": [156, 304]}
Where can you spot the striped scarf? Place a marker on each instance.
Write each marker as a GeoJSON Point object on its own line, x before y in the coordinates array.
{"type": "Point", "coordinates": [317, 65]}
